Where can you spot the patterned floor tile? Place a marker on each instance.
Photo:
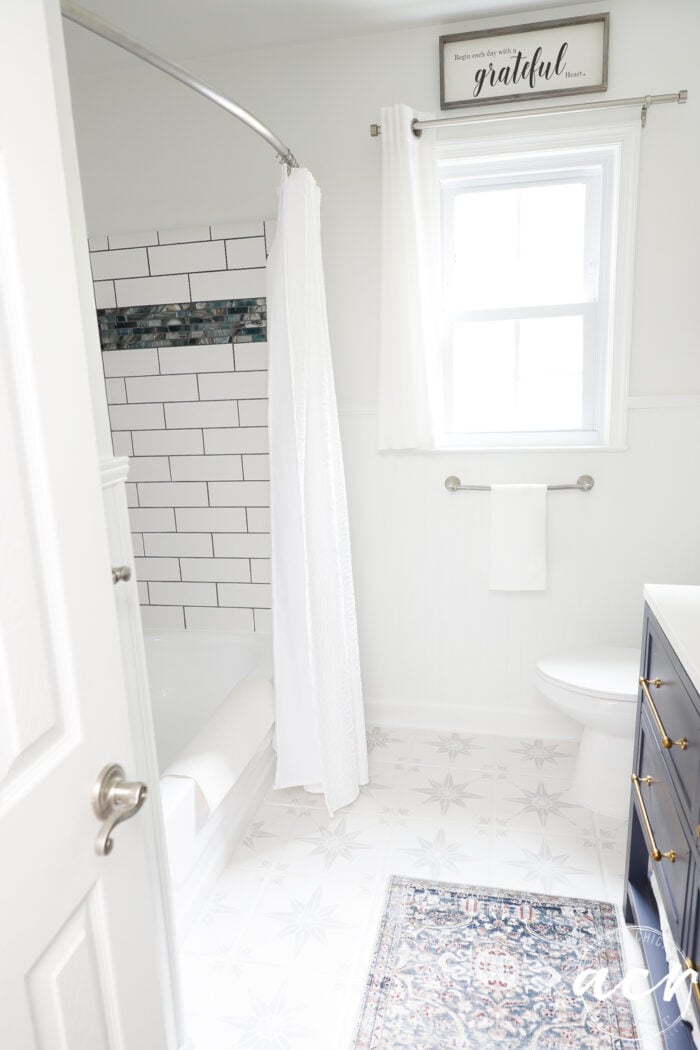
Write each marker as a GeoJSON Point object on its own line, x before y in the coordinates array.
{"type": "Point", "coordinates": [279, 957]}
{"type": "Point", "coordinates": [546, 758]}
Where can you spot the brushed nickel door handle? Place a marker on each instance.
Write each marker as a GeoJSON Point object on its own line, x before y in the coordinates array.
{"type": "Point", "coordinates": [115, 800]}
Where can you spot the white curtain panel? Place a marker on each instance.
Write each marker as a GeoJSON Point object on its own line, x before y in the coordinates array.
{"type": "Point", "coordinates": [409, 372]}
{"type": "Point", "coordinates": [320, 733]}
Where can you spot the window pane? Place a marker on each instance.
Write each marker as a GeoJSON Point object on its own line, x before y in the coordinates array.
{"type": "Point", "coordinates": [521, 375]}
{"type": "Point", "coordinates": [519, 246]}
{"type": "Point", "coordinates": [484, 375]}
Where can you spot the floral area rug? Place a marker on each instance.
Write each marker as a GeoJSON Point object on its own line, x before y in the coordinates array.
{"type": "Point", "coordinates": [464, 968]}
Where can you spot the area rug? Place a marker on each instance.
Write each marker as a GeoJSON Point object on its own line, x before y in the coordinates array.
{"type": "Point", "coordinates": [464, 968]}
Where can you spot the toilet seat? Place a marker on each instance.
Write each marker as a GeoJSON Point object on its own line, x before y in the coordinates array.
{"type": "Point", "coordinates": [603, 673]}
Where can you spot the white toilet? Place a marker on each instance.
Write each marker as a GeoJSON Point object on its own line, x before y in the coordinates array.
{"type": "Point", "coordinates": [597, 688]}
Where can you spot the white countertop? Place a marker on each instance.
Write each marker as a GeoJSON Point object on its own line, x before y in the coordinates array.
{"type": "Point", "coordinates": [677, 608]}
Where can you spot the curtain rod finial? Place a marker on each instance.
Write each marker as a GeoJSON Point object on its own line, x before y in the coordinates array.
{"type": "Point", "coordinates": [375, 130]}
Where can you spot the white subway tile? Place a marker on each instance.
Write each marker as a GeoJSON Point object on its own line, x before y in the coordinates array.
{"type": "Point", "coordinates": [235, 439]}
{"type": "Point", "coordinates": [245, 252]}
{"type": "Point", "coordinates": [157, 569]}
{"type": "Point", "coordinates": [149, 468]}
{"type": "Point", "coordinates": [150, 519]}
{"type": "Point", "coordinates": [263, 621]}
{"type": "Point", "coordinates": [162, 617]}
{"type": "Point", "coordinates": [217, 570]}
{"type": "Point", "coordinates": [168, 443]}
{"type": "Point", "coordinates": [237, 494]}
{"type": "Point", "coordinates": [137, 543]}
{"type": "Point", "coordinates": [219, 619]}
{"type": "Point", "coordinates": [242, 545]}
{"type": "Point", "coordinates": [245, 595]}
{"type": "Point", "coordinates": [210, 519]}
{"type": "Point", "coordinates": [147, 291]}
{"type": "Point", "coordinates": [142, 362]}
{"type": "Point", "coordinates": [184, 593]}
{"type": "Point", "coordinates": [187, 258]}
{"type": "Point", "coordinates": [218, 386]}
{"type": "Point", "coordinates": [250, 357]}
{"type": "Point", "coordinates": [174, 494]}
{"type": "Point", "coordinates": [253, 413]}
{"type": "Point", "coordinates": [237, 229]}
{"type": "Point", "coordinates": [202, 414]}
{"type": "Point", "coordinates": [121, 443]}
{"type": "Point", "coordinates": [258, 519]}
{"type": "Point", "coordinates": [104, 295]}
{"type": "Point", "coordinates": [106, 266]}
{"type": "Point", "coordinates": [136, 417]}
{"type": "Point", "coordinates": [228, 284]}
{"type": "Point", "coordinates": [178, 544]}
{"type": "Point", "coordinates": [206, 468]}
{"type": "Point", "coordinates": [132, 496]}
{"type": "Point", "coordinates": [256, 468]}
{"type": "Point", "coordinates": [214, 358]}
{"type": "Point", "coordinates": [260, 570]}
{"type": "Point", "coordinates": [116, 391]}
{"type": "Point", "coordinates": [142, 589]}
{"type": "Point", "coordinates": [132, 240]}
{"type": "Point", "coordinates": [161, 388]}
{"type": "Point", "coordinates": [98, 244]}
{"type": "Point", "coordinates": [184, 233]}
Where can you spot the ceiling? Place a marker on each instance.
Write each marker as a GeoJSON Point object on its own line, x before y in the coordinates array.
{"type": "Point", "coordinates": [180, 29]}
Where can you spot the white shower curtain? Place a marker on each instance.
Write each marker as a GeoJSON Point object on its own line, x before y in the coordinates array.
{"type": "Point", "coordinates": [409, 339]}
{"type": "Point", "coordinates": [320, 734]}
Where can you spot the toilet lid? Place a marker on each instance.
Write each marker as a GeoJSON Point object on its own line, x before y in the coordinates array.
{"type": "Point", "coordinates": [607, 672]}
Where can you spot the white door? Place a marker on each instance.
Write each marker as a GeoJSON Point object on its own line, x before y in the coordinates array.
{"type": "Point", "coordinates": [79, 949]}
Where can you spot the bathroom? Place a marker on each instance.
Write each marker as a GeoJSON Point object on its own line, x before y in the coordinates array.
{"type": "Point", "coordinates": [441, 653]}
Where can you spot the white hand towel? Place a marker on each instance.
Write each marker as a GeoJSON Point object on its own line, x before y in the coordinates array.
{"type": "Point", "coordinates": [518, 537]}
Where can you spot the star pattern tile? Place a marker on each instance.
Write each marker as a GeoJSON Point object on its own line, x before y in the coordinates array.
{"type": "Point", "coordinates": [446, 793]}
{"type": "Point", "coordinates": [550, 870]}
{"type": "Point", "coordinates": [302, 898]}
{"type": "Point", "coordinates": [454, 745]}
{"type": "Point", "coordinates": [308, 920]}
{"type": "Point", "coordinates": [439, 856]}
{"type": "Point", "coordinates": [542, 802]}
{"type": "Point", "coordinates": [540, 753]}
{"type": "Point", "coordinates": [334, 842]}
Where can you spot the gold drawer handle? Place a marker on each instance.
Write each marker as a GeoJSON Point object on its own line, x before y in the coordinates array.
{"type": "Point", "coordinates": [655, 852]}
{"type": "Point", "coordinates": [665, 738]}
{"type": "Point", "coordinates": [690, 965]}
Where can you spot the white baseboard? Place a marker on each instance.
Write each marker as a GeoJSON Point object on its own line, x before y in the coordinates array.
{"type": "Point", "coordinates": [497, 721]}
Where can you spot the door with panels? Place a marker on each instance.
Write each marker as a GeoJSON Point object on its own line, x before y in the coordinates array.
{"type": "Point", "coordinates": [80, 967]}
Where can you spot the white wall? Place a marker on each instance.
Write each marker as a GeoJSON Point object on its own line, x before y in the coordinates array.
{"type": "Point", "coordinates": [432, 634]}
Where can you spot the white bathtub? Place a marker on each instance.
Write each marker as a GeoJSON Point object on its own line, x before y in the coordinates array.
{"type": "Point", "coordinates": [191, 674]}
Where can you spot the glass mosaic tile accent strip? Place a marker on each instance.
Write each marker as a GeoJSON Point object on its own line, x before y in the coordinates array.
{"type": "Point", "coordinates": [183, 324]}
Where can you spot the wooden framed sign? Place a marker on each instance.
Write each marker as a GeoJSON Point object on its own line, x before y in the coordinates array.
{"type": "Point", "coordinates": [564, 57]}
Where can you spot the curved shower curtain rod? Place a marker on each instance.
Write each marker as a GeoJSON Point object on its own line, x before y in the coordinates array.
{"type": "Point", "coordinates": [95, 25]}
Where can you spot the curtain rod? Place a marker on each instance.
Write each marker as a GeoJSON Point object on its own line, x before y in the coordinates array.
{"type": "Point", "coordinates": [95, 25]}
{"type": "Point", "coordinates": [482, 118]}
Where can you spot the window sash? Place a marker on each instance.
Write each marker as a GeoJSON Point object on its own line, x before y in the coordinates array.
{"type": "Point", "coordinates": [481, 175]}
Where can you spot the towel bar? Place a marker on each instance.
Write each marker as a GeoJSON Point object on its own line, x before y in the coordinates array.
{"type": "Point", "coordinates": [584, 484]}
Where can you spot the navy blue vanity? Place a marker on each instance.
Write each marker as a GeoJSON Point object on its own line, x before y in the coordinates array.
{"type": "Point", "coordinates": [664, 830]}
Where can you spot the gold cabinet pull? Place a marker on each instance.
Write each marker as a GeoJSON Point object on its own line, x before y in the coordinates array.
{"type": "Point", "coordinates": [690, 965]}
{"type": "Point", "coordinates": [665, 738]}
{"type": "Point", "coordinates": [654, 850]}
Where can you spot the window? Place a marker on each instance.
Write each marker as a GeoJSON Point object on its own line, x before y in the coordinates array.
{"type": "Point", "coordinates": [536, 270]}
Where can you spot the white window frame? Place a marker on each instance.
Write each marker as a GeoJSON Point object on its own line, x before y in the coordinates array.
{"type": "Point", "coordinates": [537, 150]}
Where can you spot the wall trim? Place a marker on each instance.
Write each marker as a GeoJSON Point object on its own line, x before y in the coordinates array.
{"type": "Point", "coordinates": [114, 470]}
{"type": "Point", "coordinates": [664, 401]}
{"type": "Point", "coordinates": [545, 723]}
